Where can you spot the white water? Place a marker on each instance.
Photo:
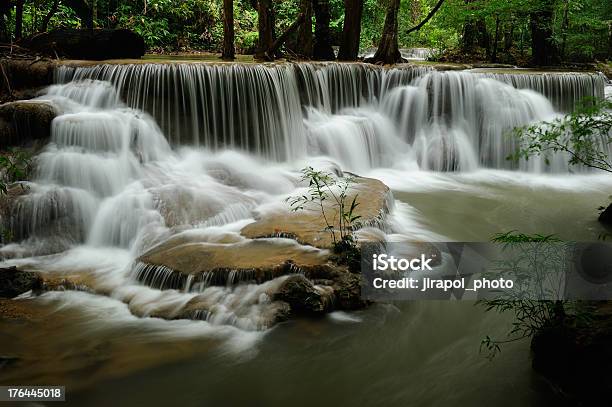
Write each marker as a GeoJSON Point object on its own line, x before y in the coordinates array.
{"type": "Point", "coordinates": [109, 186]}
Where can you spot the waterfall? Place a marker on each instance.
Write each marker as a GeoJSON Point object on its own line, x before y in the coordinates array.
{"type": "Point", "coordinates": [453, 120]}
{"type": "Point", "coordinates": [143, 153]}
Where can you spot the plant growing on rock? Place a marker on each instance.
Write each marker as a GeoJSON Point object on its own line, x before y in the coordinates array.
{"type": "Point", "coordinates": [15, 166]}
{"type": "Point", "coordinates": [325, 187]}
{"type": "Point", "coordinates": [536, 266]}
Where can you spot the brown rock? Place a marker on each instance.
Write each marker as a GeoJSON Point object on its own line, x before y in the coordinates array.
{"type": "Point", "coordinates": [308, 226]}
{"type": "Point", "coordinates": [25, 121]}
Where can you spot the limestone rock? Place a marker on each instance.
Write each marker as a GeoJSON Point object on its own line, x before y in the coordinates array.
{"type": "Point", "coordinates": [25, 121]}
{"type": "Point", "coordinates": [308, 226]}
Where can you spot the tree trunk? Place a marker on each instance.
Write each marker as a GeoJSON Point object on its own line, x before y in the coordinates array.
{"type": "Point", "coordinates": [45, 24]}
{"type": "Point", "coordinates": [475, 34]}
{"type": "Point", "coordinates": [509, 35]}
{"type": "Point", "coordinates": [543, 48]}
{"type": "Point", "coordinates": [388, 48]}
{"type": "Point", "coordinates": [5, 15]}
{"type": "Point", "coordinates": [94, 12]}
{"type": "Point", "coordinates": [495, 40]}
{"type": "Point", "coordinates": [351, 30]}
{"type": "Point", "coordinates": [564, 27]}
{"type": "Point", "coordinates": [82, 10]}
{"type": "Point", "coordinates": [322, 49]}
{"type": "Point", "coordinates": [19, 19]}
{"type": "Point", "coordinates": [609, 40]}
{"type": "Point", "coordinates": [265, 27]}
{"type": "Point", "coordinates": [228, 30]}
{"type": "Point", "coordinates": [304, 35]}
{"type": "Point", "coordinates": [283, 37]}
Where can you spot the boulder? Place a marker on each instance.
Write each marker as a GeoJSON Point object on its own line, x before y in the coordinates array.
{"type": "Point", "coordinates": [95, 44]}
{"type": "Point", "coordinates": [303, 296]}
{"type": "Point", "coordinates": [308, 226]}
{"type": "Point", "coordinates": [606, 216]}
{"type": "Point", "coordinates": [26, 77]}
{"type": "Point", "coordinates": [25, 121]}
{"type": "Point", "coordinates": [14, 282]}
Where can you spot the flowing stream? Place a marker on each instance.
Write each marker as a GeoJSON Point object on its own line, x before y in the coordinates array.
{"type": "Point", "coordinates": [142, 152]}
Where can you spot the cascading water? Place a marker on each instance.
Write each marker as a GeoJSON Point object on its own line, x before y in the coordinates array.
{"type": "Point", "coordinates": [112, 184]}
{"type": "Point", "coordinates": [146, 154]}
{"type": "Point", "coordinates": [452, 120]}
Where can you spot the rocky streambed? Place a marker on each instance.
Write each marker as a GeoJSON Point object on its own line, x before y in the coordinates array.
{"type": "Point", "coordinates": [288, 254]}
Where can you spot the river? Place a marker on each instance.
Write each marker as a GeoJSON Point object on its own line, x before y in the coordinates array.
{"type": "Point", "coordinates": [215, 144]}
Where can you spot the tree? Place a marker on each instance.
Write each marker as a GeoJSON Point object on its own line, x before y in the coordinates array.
{"type": "Point", "coordinates": [265, 28]}
{"type": "Point", "coordinates": [543, 47]}
{"type": "Point", "coordinates": [228, 30]}
{"type": "Point", "coordinates": [304, 35]}
{"type": "Point", "coordinates": [45, 24]}
{"type": "Point", "coordinates": [19, 19]}
{"type": "Point", "coordinates": [82, 10]}
{"type": "Point", "coordinates": [388, 48]}
{"type": "Point", "coordinates": [433, 11]}
{"type": "Point", "coordinates": [5, 15]}
{"type": "Point", "coordinates": [322, 49]}
{"type": "Point", "coordinates": [351, 30]}
{"type": "Point", "coordinates": [474, 32]}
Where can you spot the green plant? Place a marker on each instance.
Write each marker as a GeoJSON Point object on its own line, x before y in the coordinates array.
{"type": "Point", "coordinates": [584, 135]}
{"type": "Point", "coordinates": [536, 265]}
{"type": "Point", "coordinates": [325, 187]}
{"type": "Point", "coordinates": [15, 166]}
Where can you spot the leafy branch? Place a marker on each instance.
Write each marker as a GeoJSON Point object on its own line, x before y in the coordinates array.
{"type": "Point", "coordinates": [584, 135]}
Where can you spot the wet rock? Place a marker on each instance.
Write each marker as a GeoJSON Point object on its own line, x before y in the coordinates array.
{"type": "Point", "coordinates": [606, 216]}
{"type": "Point", "coordinates": [24, 122]}
{"type": "Point", "coordinates": [347, 292]}
{"type": "Point", "coordinates": [185, 261]}
{"type": "Point", "coordinates": [302, 296]}
{"type": "Point", "coordinates": [26, 77]}
{"type": "Point", "coordinates": [14, 282]}
{"type": "Point", "coordinates": [577, 360]}
{"type": "Point", "coordinates": [308, 226]}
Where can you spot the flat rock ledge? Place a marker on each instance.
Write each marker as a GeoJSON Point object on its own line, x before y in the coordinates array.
{"type": "Point", "coordinates": [308, 226]}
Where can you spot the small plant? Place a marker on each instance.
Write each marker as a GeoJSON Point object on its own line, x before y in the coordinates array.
{"type": "Point", "coordinates": [536, 266]}
{"type": "Point", "coordinates": [325, 187]}
{"type": "Point", "coordinates": [15, 166]}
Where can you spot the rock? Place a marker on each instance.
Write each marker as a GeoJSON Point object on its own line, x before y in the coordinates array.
{"type": "Point", "coordinates": [347, 292]}
{"type": "Point", "coordinates": [26, 77]}
{"type": "Point", "coordinates": [308, 226]}
{"type": "Point", "coordinates": [95, 44]}
{"type": "Point", "coordinates": [184, 260]}
{"type": "Point", "coordinates": [577, 360]}
{"type": "Point", "coordinates": [606, 216]}
{"type": "Point", "coordinates": [25, 121]}
{"type": "Point", "coordinates": [302, 296]}
{"type": "Point", "coordinates": [14, 282]}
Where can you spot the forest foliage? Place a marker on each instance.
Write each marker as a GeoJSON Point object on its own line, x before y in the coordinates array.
{"type": "Point", "coordinates": [490, 30]}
